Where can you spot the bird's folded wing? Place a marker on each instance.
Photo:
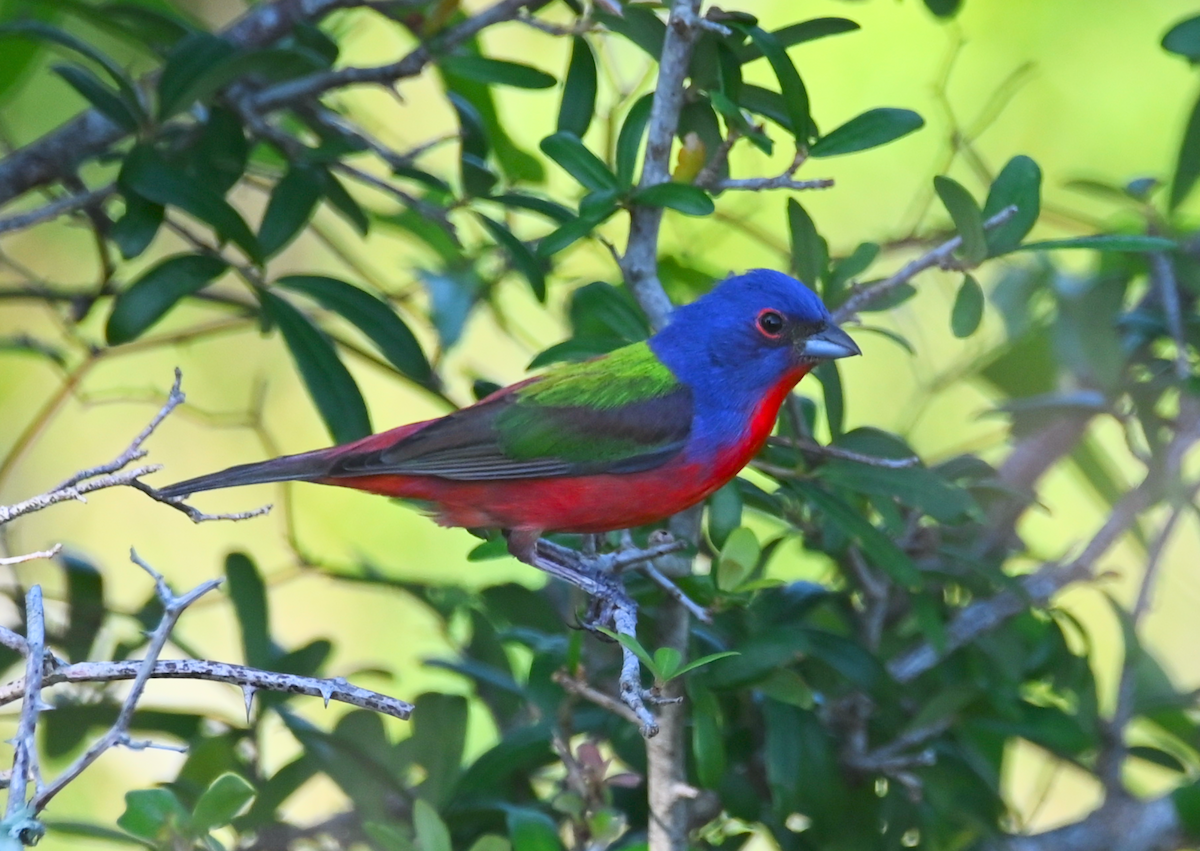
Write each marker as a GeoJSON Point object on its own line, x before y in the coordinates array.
{"type": "Point", "coordinates": [618, 414]}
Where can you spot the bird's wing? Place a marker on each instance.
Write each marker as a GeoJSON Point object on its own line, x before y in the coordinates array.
{"type": "Point", "coordinates": [619, 413]}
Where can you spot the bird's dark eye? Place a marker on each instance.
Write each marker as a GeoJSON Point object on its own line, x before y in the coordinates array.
{"type": "Point", "coordinates": [770, 322]}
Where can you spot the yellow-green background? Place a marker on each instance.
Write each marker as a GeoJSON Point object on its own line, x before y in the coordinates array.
{"type": "Point", "coordinates": [1099, 99]}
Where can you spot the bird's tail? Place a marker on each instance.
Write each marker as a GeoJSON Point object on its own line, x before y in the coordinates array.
{"type": "Point", "coordinates": [306, 466]}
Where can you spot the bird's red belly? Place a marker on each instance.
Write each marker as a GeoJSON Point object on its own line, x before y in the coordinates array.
{"type": "Point", "coordinates": [583, 504]}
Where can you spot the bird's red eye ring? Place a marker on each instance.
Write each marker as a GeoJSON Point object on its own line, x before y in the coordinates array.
{"type": "Point", "coordinates": [770, 322]}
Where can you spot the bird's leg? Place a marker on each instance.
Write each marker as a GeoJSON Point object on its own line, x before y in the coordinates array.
{"type": "Point", "coordinates": [612, 606]}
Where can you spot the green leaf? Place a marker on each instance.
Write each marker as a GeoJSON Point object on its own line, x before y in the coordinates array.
{"type": "Point", "coordinates": [791, 87]}
{"type": "Point", "coordinates": [570, 153]}
{"type": "Point", "coordinates": [967, 219]}
{"type": "Point", "coordinates": [830, 377]}
{"type": "Point", "coordinates": [519, 254]}
{"type": "Point", "coordinates": [1104, 242]}
{"type": "Point", "coordinates": [1183, 39]}
{"type": "Point", "coordinates": [1018, 184]}
{"type": "Point", "coordinates": [292, 203]}
{"type": "Point", "coordinates": [683, 197]}
{"type": "Point", "coordinates": [968, 308]}
{"type": "Point", "coordinates": [432, 833]}
{"type": "Point", "coordinates": [579, 90]}
{"type": "Point", "coordinates": [343, 202]}
{"type": "Point", "coordinates": [522, 201]}
{"type": "Point", "coordinates": [878, 546]}
{"type": "Point", "coordinates": [873, 128]}
{"type": "Point", "coordinates": [147, 174]}
{"type": "Point", "coordinates": [438, 736]}
{"type": "Point", "coordinates": [371, 315]}
{"type": "Point", "coordinates": [85, 599]}
{"type": "Point", "coordinates": [221, 801]}
{"type": "Point", "coordinates": [666, 660]}
{"type": "Point", "coordinates": [151, 296]}
{"type": "Point", "coordinates": [798, 34]}
{"type": "Point", "coordinates": [572, 231]}
{"type": "Point", "coordinates": [497, 71]}
{"type": "Point", "coordinates": [631, 643]}
{"type": "Point", "coordinates": [250, 605]}
{"type": "Point", "coordinates": [638, 24]}
{"type": "Point", "coordinates": [44, 32]}
{"type": "Point", "coordinates": [152, 813]}
{"type": "Point", "coordinates": [477, 178]}
{"type": "Point", "coordinates": [1187, 163]}
{"type": "Point", "coordinates": [724, 513]}
{"type": "Point", "coordinates": [104, 99]}
{"type": "Point", "coordinates": [530, 830]}
{"type": "Point", "coordinates": [708, 743]}
{"type": "Point", "coordinates": [1187, 805]}
{"type": "Point", "coordinates": [738, 558]}
{"type": "Point", "coordinates": [629, 141]}
{"type": "Point", "coordinates": [943, 8]}
{"type": "Point", "coordinates": [328, 381]}
{"type": "Point", "coordinates": [136, 229]}
{"type": "Point", "coordinates": [810, 256]}
{"type": "Point", "coordinates": [705, 660]}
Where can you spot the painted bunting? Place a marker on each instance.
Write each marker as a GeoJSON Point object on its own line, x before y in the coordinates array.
{"type": "Point", "coordinates": [618, 441]}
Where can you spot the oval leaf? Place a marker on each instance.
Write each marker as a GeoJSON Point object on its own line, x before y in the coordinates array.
{"type": "Point", "coordinates": [570, 153]}
{"type": "Point", "coordinates": [497, 71]}
{"type": "Point", "coordinates": [579, 90]}
{"type": "Point", "coordinates": [967, 219]}
{"type": "Point", "coordinates": [220, 802]}
{"type": "Point", "coordinates": [791, 87]}
{"type": "Point", "coordinates": [968, 308]}
{"type": "Point", "coordinates": [873, 128]}
{"type": "Point", "coordinates": [630, 139]}
{"type": "Point", "coordinates": [1104, 242]}
{"type": "Point", "coordinates": [371, 315]}
{"type": "Point", "coordinates": [292, 202]}
{"type": "Point", "coordinates": [683, 197]}
{"type": "Point", "coordinates": [810, 256]}
{"type": "Point", "coordinates": [519, 254]}
{"type": "Point", "coordinates": [1018, 184]}
{"type": "Point", "coordinates": [328, 381]}
{"type": "Point", "coordinates": [149, 298]}
{"type": "Point", "coordinates": [1183, 39]}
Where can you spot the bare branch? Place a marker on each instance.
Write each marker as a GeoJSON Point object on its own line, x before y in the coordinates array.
{"type": "Point", "coordinates": [53, 210]}
{"type": "Point", "coordinates": [173, 607]}
{"type": "Point", "coordinates": [25, 758]}
{"type": "Point", "coordinates": [758, 184]}
{"type": "Point", "coordinates": [582, 689]}
{"type": "Point", "coordinates": [21, 559]}
{"type": "Point", "coordinates": [940, 256]}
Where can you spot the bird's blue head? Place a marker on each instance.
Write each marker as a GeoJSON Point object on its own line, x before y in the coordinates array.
{"type": "Point", "coordinates": [751, 333]}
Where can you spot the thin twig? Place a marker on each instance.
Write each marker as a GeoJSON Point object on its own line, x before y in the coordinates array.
{"type": "Point", "coordinates": [25, 758]}
{"type": "Point", "coordinates": [21, 559]}
{"type": "Point", "coordinates": [53, 210]}
{"type": "Point", "coordinates": [582, 689]}
{"type": "Point", "coordinates": [173, 607]}
{"type": "Point", "coordinates": [940, 256]}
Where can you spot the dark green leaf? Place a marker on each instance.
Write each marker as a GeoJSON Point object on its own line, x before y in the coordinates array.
{"type": "Point", "coordinates": [873, 128]}
{"type": "Point", "coordinates": [1104, 242]}
{"type": "Point", "coordinates": [835, 401]}
{"type": "Point", "coordinates": [795, 96]}
{"type": "Point", "coordinates": [220, 802]}
{"type": "Point", "coordinates": [943, 8]}
{"type": "Point", "coordinates": [329, 382]}
{"type": "Point", "coordinates": [629, 141]}
{"type": "Point", "coordinates": [738, 558]}
{"type": "Point", "coordinates": [1183, 39]}
{"type": "Point", "coordinates": [86, 830]}
{"type": "Point", "coordinates": [968, 308]}
{"type": "Point", "coordinates": [578, 348]}
{"type": "Point", "coordinates": [135, 230]}
{"type": "Point", "coordinates": [342, 201]}
{"type": "Point", "coordinates": [809, 254]}
{"type": "Point", "coordinates": [878, 546]}
{"type": "Point", "coordinates": [599, 309]}
{"type": "Point", "coordinates": [574, 230]}
{"type": "Point", "coordinates": [800, 33]}
{"type": "Point", "coordinates": [570, 153]}
{"type": "Point", "coordinates": [1187, 805]}
{"type": "Point", "coordinates": [522, 201]}
{"type": "Point", "coordinates": [104, 99]}
{"type": "Point", "coordinates": [683, 197]}
{"type": "Point", "coordinates": [708, 743]}
{"type": "Point", "coordinates": [85, 599]}
{"type": "Point", "coordinates": [724, 513]}
{"type": "Point", "coordinates": [530, 830]}
{"type": "Point", "coordinates": [444, 243]}
{"type": "Point", "coordinates": [519, 254]}
{"type": "Point", "coordinates": [439, 735]}
{"type": "Point", "coordinates": [640, 25]}
{"type": "Point", "coordinates": [148, 299]}
{"type": "Point", "coordinates": [579, 90]}
{"type": "Point", "coordinates": [44, 32]}
{"type": "Point", "coordinates": [201, 65]}
{"type": "Point", "coordinates": [1019, 183]}
{"type": "Point", "coordinates": [249, 596]}
{"type": "Point", "coordinates": [477, 178]}
{"type": "Point", "coordinates": [220, 155]}
{"type": "Point", "coordinates": [371, 315]}
{"type": "Point", "coordinates": [147, 174]}
{"type": "Point", "coordinates": [765, 102]}
{"type": "Point", "coordinates": [149, 813]}
{"type": "Point", "coordinates": [497, 71]}
{"type": "Point", "coordinates": [1187, 164]}
{"type": "Point", "coordinates": [292, 202]}
{"type": "Point", "coordinates": [967, 219]}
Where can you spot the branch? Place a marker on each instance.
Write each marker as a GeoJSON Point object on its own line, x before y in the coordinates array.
{"type": "Point", "coordinates": [811, 447]}
{"type": "Point", "coordinates": [55, 209]}
{"type": "Point", "coordinates": [1120, 824]}
{"type": "Point", "coordinates": [60, 151]}
{"type": "Point", "coordinates": [244, 677]}
{"type": "Point", "coordinates": [1162, 273]}
{"type": "Point", "coordinates": [113, 474]}
{"type": "Point", "coordinates": [25, 758]}
{"type": "Point", "coordinates": [783, 181]}
{"type": "Point", "coordinates": [940, 256]}
{"type": "Point", "coordinates": [21, 559]}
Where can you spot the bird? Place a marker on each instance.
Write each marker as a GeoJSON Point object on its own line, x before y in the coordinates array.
{"type": "Point", "coordinates": [619, 441]}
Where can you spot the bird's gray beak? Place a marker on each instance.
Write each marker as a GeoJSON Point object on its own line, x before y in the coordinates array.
{"type": "Point", "coordinates": [829, 343]}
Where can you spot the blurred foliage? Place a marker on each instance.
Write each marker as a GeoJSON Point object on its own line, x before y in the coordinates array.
{"type": "Point", "coordinates": [804, 735]}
